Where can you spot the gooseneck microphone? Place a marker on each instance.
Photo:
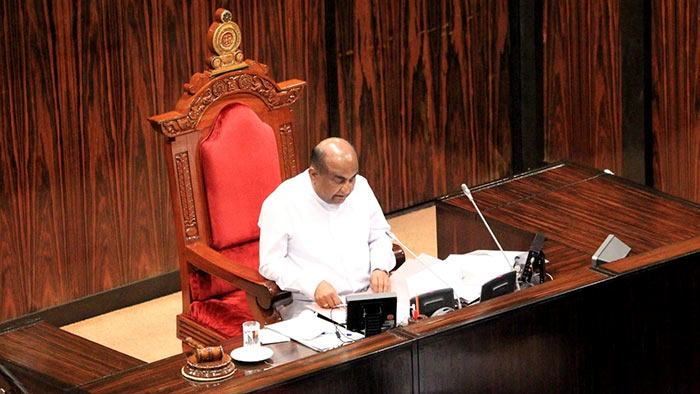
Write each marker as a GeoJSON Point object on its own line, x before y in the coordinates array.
{"type": "Point", "coordinates": [468, 193]}
{"type": "Point", "coordinates": [393, 237]}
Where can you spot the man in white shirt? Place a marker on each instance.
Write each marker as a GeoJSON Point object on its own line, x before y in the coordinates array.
{"type": "Point", "coordinates": [323, 233]}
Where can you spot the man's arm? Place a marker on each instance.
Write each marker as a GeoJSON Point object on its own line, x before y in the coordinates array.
{"type": "Point", "coordinates": [275, 230]}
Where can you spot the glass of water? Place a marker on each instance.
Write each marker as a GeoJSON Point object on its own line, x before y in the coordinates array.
{"type": "Point", "coordinates": [251, 334]}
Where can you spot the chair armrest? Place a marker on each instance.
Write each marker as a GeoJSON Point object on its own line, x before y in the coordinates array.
{"type": "Point", "coordinates": [266, 292]}
{"type": "Point", "coordinates": [400, 256]}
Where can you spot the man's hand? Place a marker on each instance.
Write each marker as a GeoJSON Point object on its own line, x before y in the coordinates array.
{"type": "Point", "coordinates": [326, 296]}
{"type": "Point", "coordinates": [379, 281]}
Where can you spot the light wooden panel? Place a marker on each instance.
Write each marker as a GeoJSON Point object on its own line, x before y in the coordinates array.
{"type": "Point", "coordinates": [423, 91]}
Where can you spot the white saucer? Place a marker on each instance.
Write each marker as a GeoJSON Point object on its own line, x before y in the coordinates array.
{"type": "Point", "coordinates": [251, 355]}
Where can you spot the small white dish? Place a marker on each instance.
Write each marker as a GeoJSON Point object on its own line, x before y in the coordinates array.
{"type": "Point", "coordinates": [251, 354]}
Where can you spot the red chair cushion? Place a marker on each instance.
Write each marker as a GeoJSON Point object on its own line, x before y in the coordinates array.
{"type": "Point", "coordinates": [224, 314]}
{"type": "Point", "coordinates": [240, 165]}
{"type": "Point", "coordinates": [218, 304]}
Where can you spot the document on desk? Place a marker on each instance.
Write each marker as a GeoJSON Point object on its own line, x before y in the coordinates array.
{"type": "Point", "coordinates": [314, 332]}
{"type": "Point", "coordinates": [339, 315]}
{"type": "Point", "coordinates": [480, 266]}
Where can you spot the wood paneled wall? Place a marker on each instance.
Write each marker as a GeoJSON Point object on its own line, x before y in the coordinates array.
{"type": "Point", "coordinates": [84, 203]}
{"type": "Point", "coordinates": [676, 97]}
{"type": "Point", "coordinates": [582, 91]}
{"type": "Point", "coordinates": [581, 78]}
{"type": "Point", "coordinates": [423, 92]}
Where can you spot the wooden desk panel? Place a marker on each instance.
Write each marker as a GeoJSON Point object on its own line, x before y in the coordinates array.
{"type": "Point", "coordinates": [345, 370]}
{"type": "Point", "coordinates": [652, 257]}
{"type": "Point", "coordinates": [633, 333]}
{"type": "Point", "coordinates": [47, 358]}
{"type": "Point", "coordinates": [522, 186]}
{"type": "Point", "coordinates": [579, 214]}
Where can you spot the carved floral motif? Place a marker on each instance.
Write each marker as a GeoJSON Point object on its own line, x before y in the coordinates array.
{"type": "Point", "coordinates": [287, 142]}
{"type": "Point", "coordinates": [184, 181]}
{"type": "Point", "coordinates": [243, 82]}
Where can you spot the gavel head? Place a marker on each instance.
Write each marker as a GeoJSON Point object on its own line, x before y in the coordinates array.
{"type": "Point", "coordinates": [210, 353]}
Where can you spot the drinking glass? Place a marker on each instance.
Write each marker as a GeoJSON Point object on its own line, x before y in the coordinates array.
{"type": "Point", "coordinates": [251, 334]}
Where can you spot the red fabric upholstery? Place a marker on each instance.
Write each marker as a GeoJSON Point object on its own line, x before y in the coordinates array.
{"type": "Point", "coordinates": [217, 303]}
{"type": "Point", "coordinates": [240, 165]}
{"type": "Point", "coordinates": [224, 314]}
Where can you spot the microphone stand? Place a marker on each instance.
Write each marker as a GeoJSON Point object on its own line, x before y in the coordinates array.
{"type": "Point", "coordinates": [393, 237]}
{"type": "Point", "coordinates": [468, 193]}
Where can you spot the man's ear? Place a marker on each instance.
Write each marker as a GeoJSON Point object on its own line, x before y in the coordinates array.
{"type": "Point", "coordinates": [312, 171]}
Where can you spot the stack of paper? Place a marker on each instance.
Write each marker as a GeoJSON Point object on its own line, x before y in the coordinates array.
{"type": "Point", "coordinates": [314, 332]}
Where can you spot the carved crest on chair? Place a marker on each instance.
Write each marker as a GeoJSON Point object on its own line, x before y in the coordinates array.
{"type": "Point", "coordinates": [253, 83]}
{"type": "Point", "coordinates": [224, 38]}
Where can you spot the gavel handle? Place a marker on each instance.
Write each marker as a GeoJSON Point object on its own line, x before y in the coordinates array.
{"type": "Point", "coordinates": [194, 343]}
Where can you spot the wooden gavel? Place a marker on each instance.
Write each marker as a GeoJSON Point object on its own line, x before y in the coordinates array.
{"type": "Point", "coordinates": [202, 353]}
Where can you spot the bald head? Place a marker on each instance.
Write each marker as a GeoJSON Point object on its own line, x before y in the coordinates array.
{"type": "Point", "coordinates": [334, 150]}
{"type": "Point", "coordinates": [333, 167]}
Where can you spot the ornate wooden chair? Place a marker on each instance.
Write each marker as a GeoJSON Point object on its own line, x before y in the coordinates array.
{"type": "Point", "coordinates": [230, 143]}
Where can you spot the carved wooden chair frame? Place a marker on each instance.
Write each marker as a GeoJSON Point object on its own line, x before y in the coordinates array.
{"type": "Point", "coordinates": [231, 79]}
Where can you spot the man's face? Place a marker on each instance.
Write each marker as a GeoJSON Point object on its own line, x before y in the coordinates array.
{"type": "Point", "coordinates": [335, 185]}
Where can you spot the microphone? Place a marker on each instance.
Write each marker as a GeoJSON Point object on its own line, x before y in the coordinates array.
{"type": "Point", "coordinates": [468, 193]}
{"type": "Point", "coordinates": [535, 259]}
{"type": "Point", "coordinates": [395, 239]}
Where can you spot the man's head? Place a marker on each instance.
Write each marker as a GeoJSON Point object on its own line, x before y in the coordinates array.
{"type": "Point", "coordinates": [333, 168]}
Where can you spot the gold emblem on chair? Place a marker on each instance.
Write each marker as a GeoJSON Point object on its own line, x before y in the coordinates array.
{"type": "Point", "coordinates": [224, 38]}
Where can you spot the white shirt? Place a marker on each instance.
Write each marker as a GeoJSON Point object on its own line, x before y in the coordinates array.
{"type": "Point", "coordinates": [304, 240]}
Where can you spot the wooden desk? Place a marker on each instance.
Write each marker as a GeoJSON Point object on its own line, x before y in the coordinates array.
{"type": "Point", "coordinates": [628, 327]}
{"type": "Point", "coordinates": [46, 359]}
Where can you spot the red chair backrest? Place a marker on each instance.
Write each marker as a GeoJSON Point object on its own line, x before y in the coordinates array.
{"type": "Point", "coordinates": [240, 165]}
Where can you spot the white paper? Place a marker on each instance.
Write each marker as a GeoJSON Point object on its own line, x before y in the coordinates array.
{"type": "Point", "coordinates": [268, 336]}
{"type": "Point", "coordinates": [480, 266]}
{"type": "Point", "coordinates": [338, 314]}
{"type": "Point", "coordinates": [314, 332]}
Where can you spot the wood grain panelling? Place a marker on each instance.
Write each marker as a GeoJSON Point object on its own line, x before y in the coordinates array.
{"type": "Point", "coordinates": [582, 90]}
{"type": "Point", "coordinates": [289, 36]}
{"type": "Point", "coordinates": [676, 97]}
{"type": "Point", "coordinates": [423, 91]}
{"type": "Point", "coordinates": [84, 202]}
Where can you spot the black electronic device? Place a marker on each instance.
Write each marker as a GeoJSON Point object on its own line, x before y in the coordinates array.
{"type": "Point", "coordinates": [432, 301]}
{"type": "Point", "coordinates": [498, 286]}
{"type": "Point", "coordinates": [535, 261]}
{"type": "Point", "coordinates": [371, 314]}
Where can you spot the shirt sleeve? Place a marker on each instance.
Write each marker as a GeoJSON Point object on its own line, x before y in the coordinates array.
{"type": "Point", "coordinates": [275, 230]}
{"type": "Point", "coordinates": [381, 255]}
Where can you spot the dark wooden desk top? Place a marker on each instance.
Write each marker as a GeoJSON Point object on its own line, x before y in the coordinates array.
{"type": "Point", "coordinates": [289, 361]}
{"type": "Point", "coordinates": [57, 354]}
{"type": "Point", "coordinates": [579, 207]}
